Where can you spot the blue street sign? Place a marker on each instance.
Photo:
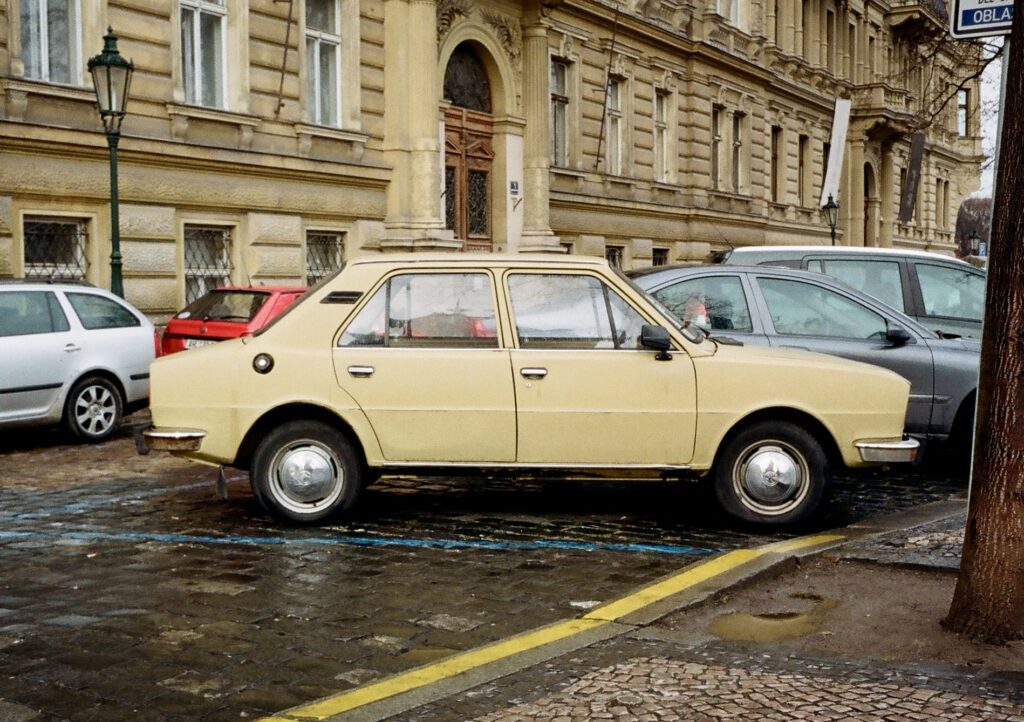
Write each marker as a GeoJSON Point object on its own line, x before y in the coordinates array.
{"type": "Point", "coordinates": [980, 18]}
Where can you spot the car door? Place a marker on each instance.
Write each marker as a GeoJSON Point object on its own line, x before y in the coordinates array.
{"type": "Point", "coordinates": [952, 300]}
{"type": "Point", "coordinates": [715, 301]}
{"type": "Point", "coordinates": [113, 339]}
{"type": "Point", "coordinates": [586, 393]}
{"type": "Point", "coordinates": [887, 279]}
{"type": "Point", "coordinates": [423, 360]}
{"type": "Point", "coordinates": [38, 348]}
{"type": "Point", "coordinates": [811, 316]}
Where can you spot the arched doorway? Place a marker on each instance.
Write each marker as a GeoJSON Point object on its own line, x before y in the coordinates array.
{"type": "Point", "coordinates": [468, 150]}
{"type": "Point", "coordinates": [872, 207]}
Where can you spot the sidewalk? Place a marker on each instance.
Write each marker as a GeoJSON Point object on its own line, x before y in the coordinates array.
{"type": "Point", "coordinates": [848, 633]}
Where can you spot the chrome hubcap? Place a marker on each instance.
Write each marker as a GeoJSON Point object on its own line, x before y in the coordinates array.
{"type": "Point", "coordinates": [306, 476]}
{"type": "Point", "coordinates": [771, 478]}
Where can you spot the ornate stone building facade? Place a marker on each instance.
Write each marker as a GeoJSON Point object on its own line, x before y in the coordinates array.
{"type": "Point", "coordinates": [268, 139]}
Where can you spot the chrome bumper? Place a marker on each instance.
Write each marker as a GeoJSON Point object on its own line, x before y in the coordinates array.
{"type": "Point", "coordinates": [888, 451]}
{"type": "Point", "coordinates": [156, 439]}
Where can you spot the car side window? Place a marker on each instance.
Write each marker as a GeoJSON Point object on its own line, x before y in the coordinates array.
{"type": "Point", "coordinates": [805, 309]}
{"type": "Point", "coordinates": [951, 292]}
{"type": "Point", "coordinates": [715, 301]}
{"type": "Point", "coordinates": [24, 313]}
{"type": "Point", "coordinates": [96, 312]}
{"type": "Point", "coordinates": [427, 310]}
{"type": "Point", "coordinates": [563, 311]}
{"type": "Point", "coordinates": [880, 279]}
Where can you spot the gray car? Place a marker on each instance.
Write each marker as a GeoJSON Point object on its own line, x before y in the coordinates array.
{"type": "Point", "coordinates": [799, 309]}
{"type": "Point", "coordinates": [72, 354]}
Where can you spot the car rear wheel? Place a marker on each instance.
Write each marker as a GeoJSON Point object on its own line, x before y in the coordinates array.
{"type": "Point", "coordinates": [305, 472]}
{"type": "Point", "coordinates": [772, 473]}
{"type": "Point", "coordinates": [93, 409]}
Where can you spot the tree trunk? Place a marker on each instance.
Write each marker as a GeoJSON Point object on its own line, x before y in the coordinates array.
{"type": "Point", "coordinates": [988, 604]}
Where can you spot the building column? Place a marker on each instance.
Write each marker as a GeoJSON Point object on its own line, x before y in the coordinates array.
{"type": "Point", "coordinates": [890, 203]}
{"type": "Point", "coordinates": [537, 234]}
{"type": "Point", "coordinates": [853, 215]}
{"type": "Point", "coordinates": [412, 146]}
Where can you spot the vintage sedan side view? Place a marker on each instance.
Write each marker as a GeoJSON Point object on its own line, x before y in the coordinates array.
{"type": "Point", "coordinates": [516, 363]}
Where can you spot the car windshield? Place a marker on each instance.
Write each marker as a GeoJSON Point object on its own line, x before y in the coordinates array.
{"type": "Point", "coordinates": [225, 305]}
{"type": "Point", "coordinates": [692, 332]}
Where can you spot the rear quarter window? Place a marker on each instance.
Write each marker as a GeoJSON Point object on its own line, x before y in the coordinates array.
{"type": "Point", "coordinates": [96, 312]}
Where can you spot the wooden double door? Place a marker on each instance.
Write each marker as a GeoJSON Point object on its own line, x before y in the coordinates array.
{"type": "Point", "coordinates": [468, 165]}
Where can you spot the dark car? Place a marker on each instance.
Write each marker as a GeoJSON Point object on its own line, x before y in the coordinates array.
{"type": "Point", "coordinates": [944, 294]}
{"type": "Point", "coordinates": [225, 313]}
{"type": "Point", "coordinates": [769, 306]}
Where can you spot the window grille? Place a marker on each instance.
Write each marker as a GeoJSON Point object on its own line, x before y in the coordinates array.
{"type": "Point", "coordinates": [323, 255]}
{"type": "Point", "coordinates": [55, 247]}
{"type": "Point", "coordinates": [207, 259]}
{"type": "Point", "coordinates": [659, 257]}
{"type": "Point", "coordinates": [613, 254]}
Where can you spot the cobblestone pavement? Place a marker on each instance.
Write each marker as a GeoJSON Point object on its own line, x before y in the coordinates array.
{"type": "Point", "coordinates": [127, 589]}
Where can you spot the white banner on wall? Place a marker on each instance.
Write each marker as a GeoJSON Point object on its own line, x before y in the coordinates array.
{"type": "Point", "coordinates": [840, 124]}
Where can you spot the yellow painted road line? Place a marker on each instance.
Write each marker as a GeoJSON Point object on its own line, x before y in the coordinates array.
{"type": "Point", "coordinates": [448, 667]}
{"type": "Point", "coordinates": [606, 614]}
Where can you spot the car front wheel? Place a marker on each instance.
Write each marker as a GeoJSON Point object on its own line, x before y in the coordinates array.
{"type": "Point", "coordinates": [772, 473]}
{"type": "Point", "coordinates": [93, 409]}
{"type": "Point", "coordinates": [305, 472]}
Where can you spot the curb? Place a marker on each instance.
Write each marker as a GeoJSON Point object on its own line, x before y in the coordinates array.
{"type": "Point", "coordinates": [691, 586]}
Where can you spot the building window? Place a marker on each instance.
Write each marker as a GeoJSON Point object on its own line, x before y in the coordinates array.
{"type": "Point", "coordinates": [716, 147]}
{"type": "Point", "coordinates": [962, 112]}
{"type": "Point", "coordinates": [50, 46]}
{"type": "Point", "coordinates": [807, 48]}
{"type": "Point", "coordinates": [830, 41]}
{"type": "Point", "coordinates": [559, 113]}
{"type": "Point", "coordinates": [737, 152]}
{"type": "Point", "coordinates": [659, 257]}
{"type": "Point", "coordinates": [323, 61]}
{"type": "Point", "coordinates": [202, 51]}
{"type": "Point", "coordinates": [661, 149]}
{"type": "Point", "coordinates": [55, 247]}
{"type": "Point", "coordinates": [613, 254]}
{"type": "Point", "coordinates": [324, 250]}
{"type": "Point", "coordinates": [851, 54]}
{"type": "Point", "coordinates": [207, 259]}
{"type": "Point", "coordinates": [614, 152]}
{"type": "Point", "coordinates": [775, 177]}
{"type": "Point", "coordinates": [804, 169]}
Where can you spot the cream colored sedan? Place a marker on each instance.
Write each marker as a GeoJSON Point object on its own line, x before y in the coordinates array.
{"type": "Point", "coordinates": [516, 363]}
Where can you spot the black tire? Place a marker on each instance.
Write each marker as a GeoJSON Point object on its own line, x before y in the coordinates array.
{"type": "Point", "coordinates": [772, 473]}
{"type": "Point", "coordinates": [93, 409]}
{"type": "Point", "coordinates": [330, 479]}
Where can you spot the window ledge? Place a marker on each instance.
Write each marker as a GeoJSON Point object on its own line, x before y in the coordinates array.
{"type": "Point", "coordinates": [180, 115]}
{"type": "Point", "coordinates": [17, 90]}
{"type": "Point", "coordinates": [305, 133]}
{"type": "Point", "coordinates": [572, 172]}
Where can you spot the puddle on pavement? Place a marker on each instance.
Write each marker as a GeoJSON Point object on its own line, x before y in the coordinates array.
{"type": "Point", "coordinates": [773, 626]}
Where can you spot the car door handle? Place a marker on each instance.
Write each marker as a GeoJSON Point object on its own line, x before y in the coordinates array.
{"type": "Point", "coordinates": [72, 347]}
{"type": "Point", "coordinates": [533, 373]}
{"type": "Point", "coordinates": [361, 372]}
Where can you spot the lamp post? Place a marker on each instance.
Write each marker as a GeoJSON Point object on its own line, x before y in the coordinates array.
{"type": "Point", "coordinates": [111, 74]}
{"type": "Point", "coordinates": [975, 242]}
{"type": "Point", "coordinates": [831, 211]}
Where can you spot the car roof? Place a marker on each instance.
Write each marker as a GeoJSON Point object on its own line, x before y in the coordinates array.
{"type": "Point", "coordinates": [655, 281]}
{"type": "Point", "coordinates": [800, 251]}
{"type": "Point", "coordinates": [263, 289]}
{"type": "Point", "coordinates": [482, 259]}
{"type": "Point", "coordinates": [34, 283]}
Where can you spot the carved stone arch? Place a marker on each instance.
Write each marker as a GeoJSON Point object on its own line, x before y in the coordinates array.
{"type": "Point", "coordinates": [500, 71]}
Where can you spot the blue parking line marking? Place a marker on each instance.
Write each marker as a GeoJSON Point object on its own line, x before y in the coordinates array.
{"type": "Point", "coordinates": [412, 543]}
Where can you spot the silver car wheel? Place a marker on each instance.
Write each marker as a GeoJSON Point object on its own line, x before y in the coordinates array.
{"type": "Point", "coordinates": [306, 477]}
{"type": "Point", "coordinates": [95, 410]}
{"type": "Point", "coordinates": [771, 477]}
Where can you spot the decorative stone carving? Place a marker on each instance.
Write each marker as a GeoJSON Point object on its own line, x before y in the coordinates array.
{"type": "Point", "coordinates": [507, 31]}
{"type": "Point", "coordinates": [448, 11]}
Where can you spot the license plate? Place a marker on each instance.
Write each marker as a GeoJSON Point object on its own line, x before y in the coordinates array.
{"type": "Point", "coordinates": [197, 342]}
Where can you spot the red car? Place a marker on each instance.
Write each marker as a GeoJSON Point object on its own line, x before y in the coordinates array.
{"type": "Point", "coordinates": [225, 313]}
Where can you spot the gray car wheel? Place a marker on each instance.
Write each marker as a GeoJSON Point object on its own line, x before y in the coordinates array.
{"type": "Point", "coordinates": [305, 472]}
{"type": "Point", "coordinates": [93, 409]}
{"type": "Point", "coordinates": [772, 473]}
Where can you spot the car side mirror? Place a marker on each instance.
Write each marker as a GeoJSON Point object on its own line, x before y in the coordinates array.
{"type": "Point", "coordinates": [897, 335]}
{"type": "Point", "coordinates": [657, 339]}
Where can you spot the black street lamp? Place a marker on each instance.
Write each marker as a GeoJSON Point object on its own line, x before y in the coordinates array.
{"type": "Point", "coordinates": [975, 242]}
{"type": "Point", "coordinates": [831, 211]}
{"type": "Point", "coordinates": [111, 74]}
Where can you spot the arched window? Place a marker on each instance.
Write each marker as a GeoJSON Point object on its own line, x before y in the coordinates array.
{"type": "Point", "coordinates": [465, 81]}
